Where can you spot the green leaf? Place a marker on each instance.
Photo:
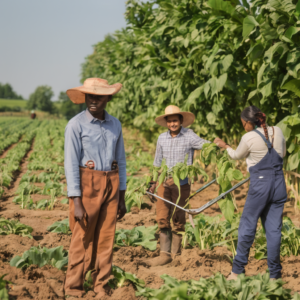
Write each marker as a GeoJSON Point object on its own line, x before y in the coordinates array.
{"type": "Point", "coordinates": [290, 32]}
{"type": "Point", "coordinates": [259, 255]}
{"type": "Point", "coordinates": [221, 5]}
{"type": "Point", "coordinates": [211, 118]}
{"type": "Point", "coordinates": [249, 24]}
{"type": "Point", "coordinates": [293, 161]}
{"type": "Point", "coordinates": [293, 86]}
{"type": "Point", "coordinates": [227, 209]}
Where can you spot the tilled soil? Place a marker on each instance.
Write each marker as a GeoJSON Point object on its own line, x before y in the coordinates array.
{"type": "Point", "coordinates": [47, 282]}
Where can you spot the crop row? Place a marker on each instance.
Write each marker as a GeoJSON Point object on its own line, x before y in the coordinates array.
{"type": "Point", "coordinates": [215, 287]}
{"type": "Point", "coordinates": [11, 162]}
{"type": "Point", "coordinates": [45, 166]}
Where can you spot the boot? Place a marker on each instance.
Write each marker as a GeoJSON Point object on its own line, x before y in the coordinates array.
{"type": "Point", "coordinates": [176, 245]}
{"type": "Point", "coordinates": [165, 250]}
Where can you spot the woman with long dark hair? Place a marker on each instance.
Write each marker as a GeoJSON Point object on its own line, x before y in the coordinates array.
{"type": "Point", "coordinates": [263, 147]}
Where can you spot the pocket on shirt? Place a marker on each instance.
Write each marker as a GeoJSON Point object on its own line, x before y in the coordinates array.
{"type": "Point", "coordinates": [85, 141]}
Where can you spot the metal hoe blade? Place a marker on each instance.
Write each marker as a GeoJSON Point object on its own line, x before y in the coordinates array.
{"type": "Point", "coordinates": [197, 211]}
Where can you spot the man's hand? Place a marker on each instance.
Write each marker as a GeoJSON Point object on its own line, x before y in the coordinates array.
{"type": "Point", "coordinates": [152, 187]}
{"type": "Point", "coordinates": [79, 213]}
{"type": "Point", "coordinates": [121, 207]}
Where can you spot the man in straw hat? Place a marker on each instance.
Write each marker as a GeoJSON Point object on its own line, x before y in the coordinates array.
{"type": "Point", "coordinates": [95, 168]}
{"type": "Point", "coordinates": [173, 146]}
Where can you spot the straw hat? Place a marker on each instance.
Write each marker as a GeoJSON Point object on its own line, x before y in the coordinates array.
{"type": "Point", "coordinates": [95, 86]}
{"type": "Point", "coordinates": [188, 117]}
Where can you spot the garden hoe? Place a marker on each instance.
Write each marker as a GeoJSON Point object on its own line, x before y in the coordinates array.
{"type": "Point", "coordinates": [197, 211]}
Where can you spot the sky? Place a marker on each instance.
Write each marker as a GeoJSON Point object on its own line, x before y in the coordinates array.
{"type": "Point", "coordinates": [45, 42]}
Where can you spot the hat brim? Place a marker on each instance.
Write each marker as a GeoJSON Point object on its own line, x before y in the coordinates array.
{"type": "Point", "coordinates": [77, 94]}
{"type": "Point", "coordinates": [188, 119]}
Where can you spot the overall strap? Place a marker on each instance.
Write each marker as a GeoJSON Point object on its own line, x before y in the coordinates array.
{"type": "Point", "coordinates": [264, 138]}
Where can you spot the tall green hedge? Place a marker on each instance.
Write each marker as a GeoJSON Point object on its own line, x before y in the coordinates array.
{"type": "Point", "coordinates": [212, 58]}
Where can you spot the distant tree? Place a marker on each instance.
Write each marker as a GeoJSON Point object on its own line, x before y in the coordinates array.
{"type": "Point", "coordinates": [41, 99]}
{"type": "Point", "coordinates": [69, 109]}
{"type": "Point", "coordinates": [7, 92]}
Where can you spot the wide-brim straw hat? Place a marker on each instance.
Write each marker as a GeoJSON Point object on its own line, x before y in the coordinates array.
{"type": "Point", "coordinates": [95, 86]}
{"type": "Point", "coordinates": [188, 117]}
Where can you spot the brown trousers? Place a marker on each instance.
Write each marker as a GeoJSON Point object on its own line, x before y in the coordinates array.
{"type": "Point", "coordinates": [92, 241]}
{"type": "Point", "coordinates": [164, 210]}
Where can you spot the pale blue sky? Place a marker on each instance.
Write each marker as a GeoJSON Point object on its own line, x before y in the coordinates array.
{"type": "Point", "coordinates": [44, 42]}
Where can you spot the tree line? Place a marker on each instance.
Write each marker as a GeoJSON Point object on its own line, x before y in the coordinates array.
{"type": "Point", "coordinates": [7, 92]}
{"type": "Point", "coordinates": [40, 99]}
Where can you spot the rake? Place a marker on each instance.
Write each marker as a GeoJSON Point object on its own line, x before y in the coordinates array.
{"type": "Point", "coordinates": [197, 211]}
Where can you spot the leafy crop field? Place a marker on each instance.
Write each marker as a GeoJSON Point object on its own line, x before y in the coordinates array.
{"type": "Point", "coordinates": [12, 103]}
{"type": "Point", "coordinates": [35, 235]}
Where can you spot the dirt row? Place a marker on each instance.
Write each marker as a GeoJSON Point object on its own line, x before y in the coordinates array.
{"type": "Point", "coordinates": [47, 282]}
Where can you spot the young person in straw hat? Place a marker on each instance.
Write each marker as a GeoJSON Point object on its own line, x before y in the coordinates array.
{"type": "Point", "coordinates": [95, 168]}
{"type": "Point", "coordinates": [173, 146]}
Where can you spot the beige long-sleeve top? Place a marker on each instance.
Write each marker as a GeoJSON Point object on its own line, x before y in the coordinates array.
{"type": "Point", "coordinates": [253, 147]}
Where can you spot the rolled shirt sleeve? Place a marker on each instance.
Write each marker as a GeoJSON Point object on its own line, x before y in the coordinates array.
{"type": "Point", "coordinates": [72, 159]}
{"type": "Point", "coordinates": [197, 142]}
{"type": "Point", "coordinates": [121, 159]}
{"type": "Point", "coordinates": [242, 151]}
{"type": "Point", "coordinates": [158, 155]}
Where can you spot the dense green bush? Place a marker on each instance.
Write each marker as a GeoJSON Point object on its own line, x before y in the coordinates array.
{"type": "Point", "coordinates": [212, 57]}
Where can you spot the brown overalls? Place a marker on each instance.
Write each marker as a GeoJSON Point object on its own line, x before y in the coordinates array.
{"type": "Point", "coordinates": [92, 245]}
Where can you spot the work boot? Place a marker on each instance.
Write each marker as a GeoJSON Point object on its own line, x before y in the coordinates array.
{"type": "Point", "coordinates": [165, 250]}
{"type": "Point", "coordinates": [176, 245]}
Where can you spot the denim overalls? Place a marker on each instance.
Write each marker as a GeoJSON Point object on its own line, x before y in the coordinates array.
{"type": "Point", "coordinates": [266, 198]}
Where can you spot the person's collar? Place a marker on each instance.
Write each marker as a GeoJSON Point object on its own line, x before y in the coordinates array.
{"type": "Point", "coordinates": [92, 119]}
{"type": "Point", "coordinates": [181, 132]}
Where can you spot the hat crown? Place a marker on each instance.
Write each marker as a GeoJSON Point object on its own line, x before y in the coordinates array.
{"type": "Point", "coordinates": [172, 109]}
{"type": "Point", "coordinates": [95, 82]}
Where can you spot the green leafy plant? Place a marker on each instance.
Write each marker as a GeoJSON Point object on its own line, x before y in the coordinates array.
{"type": "Point", "coordinates": [120, 277]}
{"type": "Point", "coordinates": [14, 227]}
{"type": "Point", "coordinates": [60, 227]}
{"type": "Point", "coordinates": [25, 201]}
{"type": "Point", "coordinates": [3, 288]}
{"type": "Point", "coordinates": [290, 240]}
{"type": "Point", "coordinates": [179, 171]}
{"type": "Point", "coordinates": [226, 173]}
{"type": "Point", "coordinates": [27, 188]}
{"type": "Point", "coordinates": [136, 188]}
{"type": "Point", "coordinates": [138, 236]}
{"type": "Point", "coordinates": [28, 177]}
{"type": "Point", "coordinates": [55, 188]}
{"type": "Point", "coordinates": [56, 257]}
{"type": "Point", "coordinates": [217, 287]}
{"type": "Point", "coordinates": [64, 201]}
{"type": "Point", "coordinates": [210, 232]}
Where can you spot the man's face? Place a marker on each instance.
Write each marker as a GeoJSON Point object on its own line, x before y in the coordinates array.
{"type": "Point", "coordinates": [174, 122]}
{"type": "Point", "coordinates": [96, 103]}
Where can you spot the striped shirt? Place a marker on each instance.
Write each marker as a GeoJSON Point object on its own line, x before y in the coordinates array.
{"type": "Point", "coordinates": [174, 150]}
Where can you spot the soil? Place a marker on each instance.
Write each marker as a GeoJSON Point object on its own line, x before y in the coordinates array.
{"type": "Point", "coordinates": [47, 282]}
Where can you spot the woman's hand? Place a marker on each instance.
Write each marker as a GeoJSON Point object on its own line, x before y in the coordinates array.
{"type": "Point", "coordinates": [121, 207]}
{"type": "Point", "coordinates": [220, 143]}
